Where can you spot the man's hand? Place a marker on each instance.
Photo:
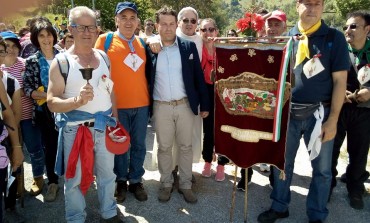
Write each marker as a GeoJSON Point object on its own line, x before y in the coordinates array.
{"type": "Point", "coordinates": [328, 130]}
{"type": "Point", "coordinates": [86, 94]}
{"type": "Point", "coordinates": [363, 95]}
{"type": "Point", "coordinates": [347, 99]}
{"type": "Point", "coordinates": [155, 47]}
{"type": "Point", "coordinates": [203, 114]}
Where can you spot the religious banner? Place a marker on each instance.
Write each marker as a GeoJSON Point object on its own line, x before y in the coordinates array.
{"type": "Point", "coordinates": [252, 96]}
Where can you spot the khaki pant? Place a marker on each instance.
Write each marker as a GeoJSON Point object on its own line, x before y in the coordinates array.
{"type": "Point", "coordinates": [174, 123]}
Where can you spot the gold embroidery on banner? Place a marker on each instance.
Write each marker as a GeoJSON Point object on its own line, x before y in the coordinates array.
{"type": "Point", "coordinates": [270, 59]}
{"type": "Point", "coordinates": [221, 69]}
{"type": "Point", "coordinates": [252, 52]}
{"type": "Point", "coordinates": [246, 135]}
{"type": "Point", "coordinates": [233, 57]}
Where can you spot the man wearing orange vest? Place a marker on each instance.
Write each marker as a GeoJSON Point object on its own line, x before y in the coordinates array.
{"type": "Point", "coordinates": [129, 67]}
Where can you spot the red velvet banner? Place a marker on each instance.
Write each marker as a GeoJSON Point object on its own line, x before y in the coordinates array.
{"type": "Point", "coordinates": [245, 99]}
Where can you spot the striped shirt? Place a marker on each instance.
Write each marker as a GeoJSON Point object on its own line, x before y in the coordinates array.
{"type": "Point", "coordinates": [17, 71]}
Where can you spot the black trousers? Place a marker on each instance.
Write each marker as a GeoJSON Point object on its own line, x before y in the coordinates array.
{"type": "Point", "coordinates": [355, 123]}
{"type": "Point", "coordinates": [50, 140]}
{"type": "Point", "coordinates": [3, 175]}
{"type": "Point", "coordinates": [208, 128]}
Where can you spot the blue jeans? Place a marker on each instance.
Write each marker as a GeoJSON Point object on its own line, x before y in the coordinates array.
{"type": "Point", "coordinates": [32, 138]}
{"type": "Point", "coordinates": [318, 194]}
{"type": "Point", "coordinates": [103, 168]}
{"type": "Point", "coordinates": [130, 166]}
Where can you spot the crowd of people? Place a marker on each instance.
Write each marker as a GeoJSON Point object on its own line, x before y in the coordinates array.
{"type": "Point", "coordinates": [166, 72]}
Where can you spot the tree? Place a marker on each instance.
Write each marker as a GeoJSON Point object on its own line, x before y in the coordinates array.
{"type": "Point", "coordinates": [345, 6]}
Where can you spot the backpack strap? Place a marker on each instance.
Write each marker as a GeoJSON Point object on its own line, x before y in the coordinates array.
{"type": "Point", "coordinates": [108, 41]}
{"type": "Point", "coordinates": [105, 57]}
{"type": "Point", "coordinates": [63, 65]}
{"type": "Point", "coordinates": [10, 88]}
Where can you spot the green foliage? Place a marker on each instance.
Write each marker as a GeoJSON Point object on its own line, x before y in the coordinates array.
{"type": "Point", "coordinates": [345, 6]}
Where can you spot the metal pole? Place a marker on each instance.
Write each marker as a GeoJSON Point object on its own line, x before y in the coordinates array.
{"type": "Point", "coordinates": [73, 5]}
{"type": "Point", "coordinates": [93, 5]}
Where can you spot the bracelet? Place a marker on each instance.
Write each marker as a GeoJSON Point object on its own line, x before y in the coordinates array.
{"type": "Point", "coordinates": [75, 99]}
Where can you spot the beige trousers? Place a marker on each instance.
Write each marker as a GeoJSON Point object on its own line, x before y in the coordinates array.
{"type": "Point", "coordinates": [174, 123]}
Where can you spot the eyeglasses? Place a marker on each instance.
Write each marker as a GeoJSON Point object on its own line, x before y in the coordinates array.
{"type": "Point", "coordinates": [210, 29]}
{"type": "Point", "coordinates": [82, 28]}
{"type": "Point", "coordinates": [186, 20]}
{"type": "Point", "coordinates": [231, 34]}
{"type": "Point", "coordinates": [352, 26]}
{"type": "Point", "coordinates": [3, 53]}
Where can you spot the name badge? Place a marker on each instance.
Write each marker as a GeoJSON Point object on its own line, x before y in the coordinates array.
{"type": "Point", "coordinates": [105, 84]}
{"type": "Point", "coordinates": [313, 67]}
{"type": "Point", "coordinates": [363, 74]}
{"type": "Point", "coordinates": [133, 61]}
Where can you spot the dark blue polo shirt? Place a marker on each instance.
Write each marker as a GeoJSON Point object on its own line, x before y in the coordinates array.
{"type": "Point", "coordinates": [334, 57]}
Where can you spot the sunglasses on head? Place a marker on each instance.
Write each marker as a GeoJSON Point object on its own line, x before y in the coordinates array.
{"type": "Point", "coordinates": [193, 21]}
{"type": "Point", "coordinates": [352, 26]}
{"type": "Point", "coordinates": [210, 29]}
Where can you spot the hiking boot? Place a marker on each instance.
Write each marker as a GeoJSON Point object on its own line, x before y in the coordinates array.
{"type": "Point", "coordinates": [241, 184]}
{"type": "Point", "coordinates": [207, 170]}
{"type": "Point", "coordinates": [220, 174]}
{"type": "Point", "coordinates": [164, 194]}
{"type": "Point", "coordinates": [356, 202]}
{"type": "Point", "coordinates": [51, 194]}
{"type": "Point", "coordinates": [264, 167]}
{"type": "Point", "coordinates": [139, 191]}
{"type": "Point", "coordinates": [37, 185]}
{"type": "Point", "coordinates": [189, 196]}
{"type": "Point", "coordinates": [121, 190]}
{"type": "Point", "coordinates": [271, 216]}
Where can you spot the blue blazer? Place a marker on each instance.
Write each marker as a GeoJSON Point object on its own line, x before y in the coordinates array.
{"type": "Point", "coordinates": [193, 77]}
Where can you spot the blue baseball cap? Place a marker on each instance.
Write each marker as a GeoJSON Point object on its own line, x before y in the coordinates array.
{"type": "Point", "coordinates": [125, 5]}
{"type": "Point", "coordinates": [9, 35]}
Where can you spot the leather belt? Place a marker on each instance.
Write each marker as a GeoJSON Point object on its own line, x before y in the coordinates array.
{"type": "Point", "coordinates": [174, 102]}
{"type": "Point", "coordinates": [87, 124]}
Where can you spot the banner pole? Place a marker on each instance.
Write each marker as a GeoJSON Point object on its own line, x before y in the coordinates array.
{"type": "Point", "coordinates": [246, 196]}
{"type": "Point", "coordinates": [233, 195]}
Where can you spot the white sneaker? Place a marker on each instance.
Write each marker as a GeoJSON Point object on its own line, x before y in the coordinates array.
{"type": "Point", "coordinates": [264, 167]}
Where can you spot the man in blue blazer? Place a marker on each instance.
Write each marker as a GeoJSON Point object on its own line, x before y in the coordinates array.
{"type": "Point", "coordinates": [177, 89]}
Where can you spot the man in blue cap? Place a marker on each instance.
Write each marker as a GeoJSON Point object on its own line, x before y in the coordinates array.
{"type": "Point", "coordinates": [129, 70]}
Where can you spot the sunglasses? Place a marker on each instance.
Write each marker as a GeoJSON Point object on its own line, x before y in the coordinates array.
{"type": "Point", "coordinates": [193, 21]}
{"type": "Point", "coordinates": [210, 29]}
{"type": "Point", "coordinates": [352, 26]}
{"type": "Point", "coordinates": [230, 34]}
{"type": "Point", "coordinates": [150, 24]}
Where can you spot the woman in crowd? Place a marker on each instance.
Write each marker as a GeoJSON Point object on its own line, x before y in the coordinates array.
{"type": "Point", "coordinates": [36, 78]}
{"type": "Point", "coordinates": [14, 150]}
{"type": "Point", "coordinates": [208, 28]}
{"type": "Point", "coordinates": [31, 135]}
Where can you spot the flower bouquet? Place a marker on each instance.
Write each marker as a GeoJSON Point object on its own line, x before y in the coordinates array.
{"type": "Point", "coordinates": [250, 24]}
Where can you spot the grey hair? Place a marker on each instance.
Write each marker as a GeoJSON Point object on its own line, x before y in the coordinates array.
{"type": "Point", "coordinates": [183, 10]}
{"type": "Point", "coordinates": [79, 11]}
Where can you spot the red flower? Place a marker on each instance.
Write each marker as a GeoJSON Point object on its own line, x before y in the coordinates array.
{"type": "Point", "coordinates": [104, 76]}
{"type": "Point", "coordinates": [251, 21]}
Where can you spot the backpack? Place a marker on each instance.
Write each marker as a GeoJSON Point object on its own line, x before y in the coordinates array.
{"type": "Point", "coordinates": [109, 38]}
{"type": "Point", "coordinates": [10, 88]}
{"type": "Point", "coordinates": [64, 64]}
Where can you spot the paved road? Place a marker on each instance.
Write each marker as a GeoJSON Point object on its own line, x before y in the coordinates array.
{"type": "Point", "coordinates": [214, 199]}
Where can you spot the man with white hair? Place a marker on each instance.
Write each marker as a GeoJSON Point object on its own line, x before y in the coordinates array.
{"type": "Point", "coordinates": [84, 110]}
